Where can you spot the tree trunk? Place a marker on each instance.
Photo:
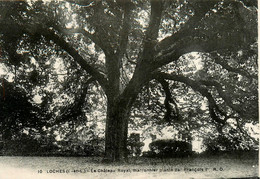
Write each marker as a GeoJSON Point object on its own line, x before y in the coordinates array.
{"type": "Point", "coordinates": [118, 112]}
{"type": "Point", "coordinates": [116, 132]}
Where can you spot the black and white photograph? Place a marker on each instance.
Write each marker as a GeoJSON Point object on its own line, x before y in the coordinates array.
{"type": "Point", "coordinates": [138, 89]}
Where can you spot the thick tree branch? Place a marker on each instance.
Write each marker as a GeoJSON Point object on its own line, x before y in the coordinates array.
{"type": "Point", "coordinates": [112, 61]}
{"type": "Point", "coordinates": [155, 20]}
{"type": "Point", "coordinates": [101, 33]}
{"type": "Point", "coordinates": [213, 112]}
{"type": "Point", "coordinates": [219, 60]}
{"type": "Point", "coordinates": [213, 107]}
{"type": "Point", "coordinates": [121, 49]}
{"type": "Point", "coordinates": [65, 31]}
{"type": "Point", "coordinates": [168, 100]}
{"type": "Point", "coordinates": [224, 96]}
{"type": "Point", "coordinates": [197, 44]}
{"type": "Point", "coordinates": [50, 35]}
{"type": "Point", "coordinates": [200, 9]}
{"type": "Point", "coordinates": [151, 34]}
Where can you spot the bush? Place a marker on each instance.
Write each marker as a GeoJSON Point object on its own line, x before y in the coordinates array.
{"type": "Point", "coordinates": [149, 154]}
{"type": "Point", "coordinates": [25, 145]}
{"type": "Point", "coordinates": [169, 148]}
{"type": "Point", "coordinates": [94, 147]}
{"type": "Point", "coordinates": [226, 144]}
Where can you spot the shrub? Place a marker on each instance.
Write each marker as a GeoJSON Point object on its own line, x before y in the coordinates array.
{"type": "Point", "coordinates": [26, 145]}
{"type": "Point", "coordinates": [94, 147]}
{"type": "Point", "coordinates": [170, 148]}
{"type": "Point", "coordinates": [226, 144]}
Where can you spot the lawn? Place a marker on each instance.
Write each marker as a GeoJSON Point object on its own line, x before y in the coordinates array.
{"type": "Point", "coordinates": [91, 167]}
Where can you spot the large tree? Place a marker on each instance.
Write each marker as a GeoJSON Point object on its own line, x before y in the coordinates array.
{"type": "Point", "coordinates": [140, 51]}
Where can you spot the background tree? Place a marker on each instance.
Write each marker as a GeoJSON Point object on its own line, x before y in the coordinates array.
{"type": "Point", "coordinates": [136, 56]}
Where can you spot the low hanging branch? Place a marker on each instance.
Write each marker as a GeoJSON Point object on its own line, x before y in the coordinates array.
{"type": "Point", "coordinates": [74, 110]}
{"type": "Point", "coordinates": [215, 111]}
{"type": "Point", "coordinates": [224, 96]}
{"type": "Point", "coordinates": [70, 31]}
{"type": "Point", "coordinates": [244, 132]}
{"type": "Point", "coordinates": [169, 99]}
{"type": "Point", "coordinates": [50, 35]}
{"type": "Point", "coordinates": [219, 60]}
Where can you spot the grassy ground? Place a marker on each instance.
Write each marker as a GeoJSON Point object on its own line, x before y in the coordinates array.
{"type": "Point", "coordinates": [83, 168]}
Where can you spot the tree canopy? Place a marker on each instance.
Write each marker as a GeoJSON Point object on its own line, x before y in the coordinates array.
{"type": "Point", "coordinates": [189, 64]}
